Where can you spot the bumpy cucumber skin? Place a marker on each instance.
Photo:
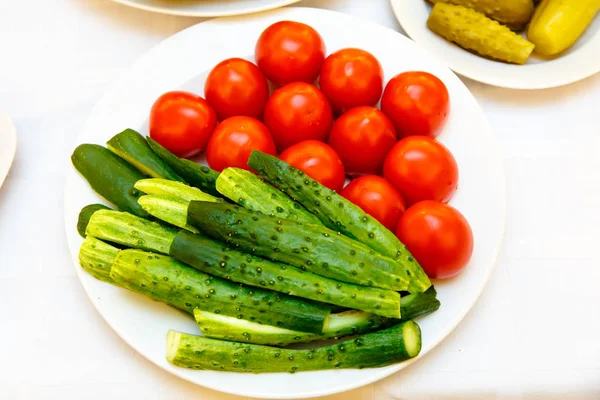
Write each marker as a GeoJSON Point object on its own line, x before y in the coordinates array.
{"type": "Point", "coordinates": [180, 190]}
{"type": "Point", "coordinates": [339, 214]}
{"type": "Point", "coordinates": [513, 13]}
{"type": "Point", "coordinates": [351, 322]}
{"type": "Point", "coordinates": [165, 279]}
{"type": "Point", "coordinates": [96, 258]}
{"type": "Point", "coordinates": [167, 209]}
{"type": "Point", "coordinates": [110, 176]}
{"type": "Point", "coordinates": [130, 231]}
{"type": "Point", "coordinates": [312, 248]}
{"type": "Point", "coordinates": [84, 217]}
{"type": "Point", "coordinates": [388, 346]}
{"type": "Point", "coordinates": [219, 260]}
{"type": "Point", "coordinates": [133, 148]}
{"type": "Point", "coordinates": [474, 31]}
{"type": "Point", "coordinates": [249, 191]}
{"type": "Point", "coordinates": [196, 175]}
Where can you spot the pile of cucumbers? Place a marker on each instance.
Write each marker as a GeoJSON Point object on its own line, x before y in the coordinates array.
{"type": "Point", "coordinates": [261, 262]}
{"type": "Point", "coordinates": [488, 27]}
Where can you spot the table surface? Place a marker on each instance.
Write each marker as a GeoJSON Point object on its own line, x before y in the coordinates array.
{"type": "Point", "coordinates": [532, 335]}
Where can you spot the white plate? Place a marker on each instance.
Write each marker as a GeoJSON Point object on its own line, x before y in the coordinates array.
{"type": "Point", "coordinates": [579, 62]}
{"type": "Point", "coordinates": [8, 144]}
{"type": "Point", "coordinates": [206, 8]}
{"type": "Point", "coordinates": [181, 62]}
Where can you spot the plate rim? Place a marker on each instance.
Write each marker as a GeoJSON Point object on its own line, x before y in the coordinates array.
{"type": "Point", "coordinates": [7, 121]}
{"type": "Point", "coordinates": [201, 14]}
{"type": "Point", "coordinates": [567, 79]}
{"type": "Point", "coordinates": [380, 373]}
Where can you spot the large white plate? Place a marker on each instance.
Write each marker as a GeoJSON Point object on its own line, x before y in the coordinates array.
{"type": "Point", "coordinates": [206, 8]}
{"type": "Point", "coordinates": [8, 144]}
{"type": "Point", "coordinates": [579, 62]}
{"type": "Point", "coordinates": [182, 62]}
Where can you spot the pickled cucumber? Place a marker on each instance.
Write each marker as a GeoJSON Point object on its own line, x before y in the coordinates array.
{"type": "Point", "coordinates": [513, 13]}
{"type": "Point", "coordinates": [474, 31]}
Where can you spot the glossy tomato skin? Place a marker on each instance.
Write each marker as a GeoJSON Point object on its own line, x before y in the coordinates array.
{"type": "Point", "coordinates": [290, 51]}
{"type": "Point", "coordinates": [351, 78]}
{"type": "Point", "coordinates": [298, 111]}
{"type": "Point", "coordinates": [421, 168]}
{"type": "Point", "coordinates": [362, 137]}
{"type": "Point", "coordinates": [236, 87]}
{"type": "Point", "coordinates": [417, 102]}
{"type": "Point", "coordinates": [378, 198]}
{"type": "Point", "coordinates": [438, 236]}
{"type": "Point", "coordinates": [319, 161]}
{"type": "Point", "coordinates": [182, 122]}
{"type": "Point", "coordinates": [233, 141]}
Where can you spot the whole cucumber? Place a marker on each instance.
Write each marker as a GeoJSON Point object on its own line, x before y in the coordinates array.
{"type": "Point", "coordinates": [96, 258]}
{"type": "Point", "coordinates": [513, 13]}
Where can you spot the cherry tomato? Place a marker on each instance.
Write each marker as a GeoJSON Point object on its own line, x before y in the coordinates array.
{"type": "Point", "coordinates": [182, 122]}
{"type": "Point", "coordinates": [438, 236]}
{"type": "Point", "coordinates": [298, 111]}
{"type": "Point", "coordinates": [417, 103]}
{"type": "Point", "coordinates": [290, 51]}
{"type": "Point", "coordinates": [362, 137]}
{"type": "Point", "coordinates": [319, 161]}
{"type": "Point", "coordinates": [233, 141]}
{"type": "Point", "coordinates": [236, 87]}
{"type": "Point", "coordinates": [351, 78]}
{"type": "Point", "coordinates": [378, 198]}
{"type": "Point", "coordinates": [421, 168]}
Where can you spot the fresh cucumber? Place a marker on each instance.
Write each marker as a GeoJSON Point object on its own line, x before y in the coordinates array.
{"type": "Point", "coordinates": [196, 175]}
{"type": "Point", "coordinates": [130, 231]}
{"type": "Point", "coordinates": [168, 209]}
{"type": "Point", "coordinates": [339, 214]}
{"type": "Point", "coordinates": [312, 248]}
{"type": "Point", "coordinates": [84, 217]}
{"type": "Point", "coordinates": [352, 322]}
{"type": "Point", "coordinates": [219, 260]}
{"type": "Point", "coordinates": [389, 346]}
{"type": "Point", "coordinates": [182, 191]}
{"type": "Point", "coordinates": [251, 192]}
{"type": "Point", "coordinates": [133, 148]}
{"type": "Point", "coordinates": [110, 176]}
{"type": "Point", "coordinates": [164, 279]}
{"type": "Point", "coordinates": [96, 258]}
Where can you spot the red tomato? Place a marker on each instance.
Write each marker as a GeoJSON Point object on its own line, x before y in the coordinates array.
{"type": "Point", "coordinates": [378, 198]}
{"type": "Point", "coordinates": [290, 51]}
{"type": "Point", "coordinates": [317, 160]}
{"type": "Point", "coordinates": [236, 87]}
{"type": "Point", "coordinates": [351, 78]}
{"type": "Point", "coordinates": [417, 103]}
{"type": "Point", "coordinates": [421, 168]}
{"type": "Point", "coordinates": [438, 236]}
{"type": "Point", "coordinates": [298, 111]}
{"type": "Point", "coordinates": [182, 122]}
{"type": "Point", "coordinates": [234, 140]}
{"type": "Point", "coordinates": [362, 136]}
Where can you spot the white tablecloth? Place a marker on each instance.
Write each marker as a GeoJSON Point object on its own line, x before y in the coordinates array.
{"type": "Point", "coordinates": [534, 333]}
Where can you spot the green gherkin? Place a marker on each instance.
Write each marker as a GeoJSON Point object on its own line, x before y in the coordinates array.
{"type": "Point", "coordinates": [310, 247]}
{"type": "Point", "coordinates": [96, 258]}
{"type": "Point", "coordinates": [513, 13]}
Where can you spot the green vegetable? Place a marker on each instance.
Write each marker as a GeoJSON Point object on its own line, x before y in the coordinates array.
{"type": "Point", "coordinates": [249, 191]}
{"type": "Point", "coordinates": [164, 279]}
{"type": "Point", "coordinates": [513, 13]}
{"type": "Point", "coordinates": [84, 217]}
{"type": "Point", "coordinates": [96, 258]}
{"type": "Point", "coordinates": [132, 147]}
{"type": "Point", "coordinates": [217, 259]}
{"type": "Point", "coordinates": [352, 322]}
{"type": "Point", "coordinates": [474, 31]}
{"type": "Point", "coordinates": [310, 247]}
{"type": "Point", "coordinates": [389, 346]}
{"type": "Point", "coordinates": [130, 231]}
{"type": "Point", "coordinates": [168, 209]}
{"type": "Point", "coordinates": [339, 214]}
{"type": "Point", "coordinates": [196, 175]}
{"type": "Point", "coordinates": [182, 191]}
{"type": "Point", "coordinates": [110, 176]}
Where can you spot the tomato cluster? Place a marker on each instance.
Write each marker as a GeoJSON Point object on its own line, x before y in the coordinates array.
{"type": "Point", "coordinates": [331, 130]}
